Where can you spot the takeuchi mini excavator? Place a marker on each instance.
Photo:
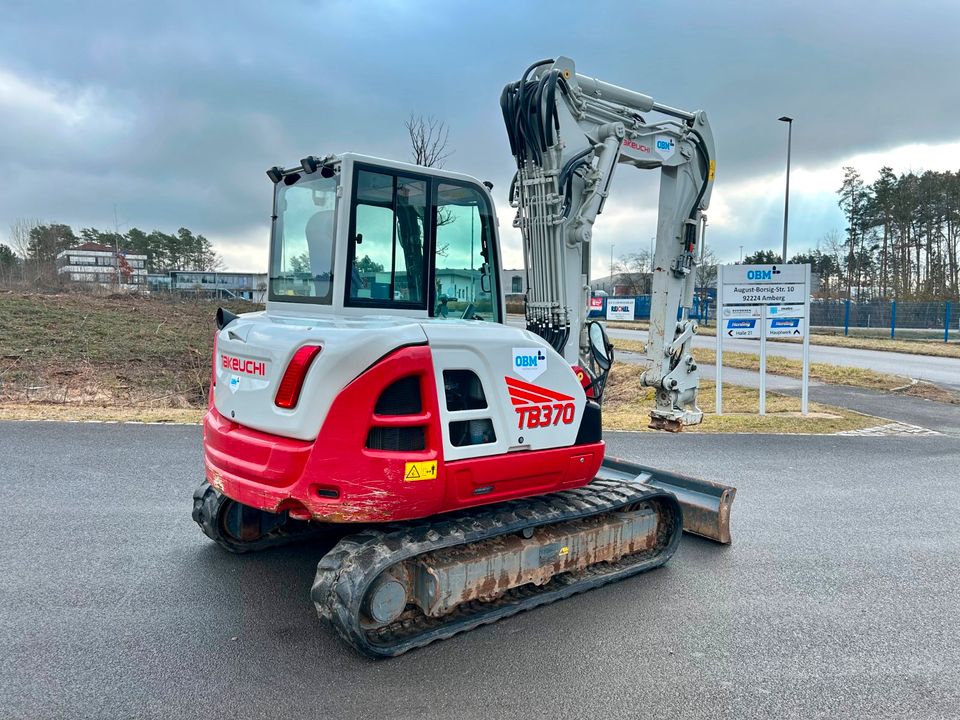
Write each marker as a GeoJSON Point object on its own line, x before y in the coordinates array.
{"type": "Point", "coordinates": [382, 401]}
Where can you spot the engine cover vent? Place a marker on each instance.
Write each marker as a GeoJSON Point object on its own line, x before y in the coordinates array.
{"type": "Point", "coordinates": [399, 438]}
{"type": "Point", "coordinates": [400, 398]}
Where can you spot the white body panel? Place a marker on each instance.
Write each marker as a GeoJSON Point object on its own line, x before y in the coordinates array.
{"type": "Point", "coordinates": [488, 350]}
{"type": "Point", "coordinates": [350, 346]}
{"type": "Point", "coordinates": [353, 339]}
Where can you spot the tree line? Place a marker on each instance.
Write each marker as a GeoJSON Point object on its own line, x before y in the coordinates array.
{"type": "Point", "coordinates": [900, 243]}
{"type": "Point", "coordinates": [35, 246]}
{"type": "Point", "coordinates": [902, 234]}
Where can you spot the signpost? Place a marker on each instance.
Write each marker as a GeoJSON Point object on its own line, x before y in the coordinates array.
{"type": "Point", "coordinates": [620, 308]}
{"type": "Point", "coordinates": [763, 301]}
{"type": "Point", "coordinates": [741, 322]}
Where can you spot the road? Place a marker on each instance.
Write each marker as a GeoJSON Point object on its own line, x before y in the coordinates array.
{"type": "Point", "coordinates": [938, 370]}
{"type": "Point", "coordinates": [937, 416]}
{"type": "Point", "coordinates": [837, 598]}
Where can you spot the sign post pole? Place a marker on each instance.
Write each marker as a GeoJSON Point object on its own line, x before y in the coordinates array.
{"type": "Point", "coordinates": [775, 296]}
{"type": "Point", "coordinates": [763, 360]}
{"type": "Point", "coordinates": [719, 361]}
{"type": "Point", "coordinates": [805, 386]}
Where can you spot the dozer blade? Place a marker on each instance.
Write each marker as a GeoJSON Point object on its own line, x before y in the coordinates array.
{"type": "Point", "coordinates": [706, 504]}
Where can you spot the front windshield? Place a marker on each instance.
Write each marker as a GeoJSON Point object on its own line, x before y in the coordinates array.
{"type": "Point", "coordinates": [301, 261]}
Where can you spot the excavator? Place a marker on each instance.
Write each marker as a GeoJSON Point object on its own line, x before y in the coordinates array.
{"type": "Point", "coordinates": [382, 402]}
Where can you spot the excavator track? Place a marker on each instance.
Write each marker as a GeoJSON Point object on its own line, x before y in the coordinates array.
{"type": "Point", "coordinates": [242, 529]}
{"type": "Point", "coordinates": [358, 581]}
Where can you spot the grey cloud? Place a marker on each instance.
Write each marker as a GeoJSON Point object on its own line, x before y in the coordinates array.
{"type": "Point", "coordinates": [194, 101]}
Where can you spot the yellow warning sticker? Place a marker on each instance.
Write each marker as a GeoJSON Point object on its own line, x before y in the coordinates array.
{"type": "Point", "coordinates": [565, 550]}
{"type": "Point", "coordinates": [713, 168]}
{"type": "Point", "coordinates": [420, 471]}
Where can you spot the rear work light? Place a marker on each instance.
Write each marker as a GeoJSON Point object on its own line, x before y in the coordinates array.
{"type": "Point", "coordinates": [288, 394]}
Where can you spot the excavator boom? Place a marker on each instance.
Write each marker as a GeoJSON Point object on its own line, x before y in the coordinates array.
{"type": "Point", "coordinates": [568, 133]}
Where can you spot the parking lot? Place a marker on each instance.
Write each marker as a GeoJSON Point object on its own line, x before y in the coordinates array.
{"type": "Point", "coordinates": [837, 598]}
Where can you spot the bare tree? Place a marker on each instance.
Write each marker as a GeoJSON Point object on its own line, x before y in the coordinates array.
{"type": "Point", "coordinates": [428, 140]}
{"type": "Point", "coordinates": [20, 232]}
{"type": "Point", "coordinates": [633, 272]}
{"type": "Point", "coordinates": [428, 146]}
{"type": "Point", "coordinates": [707, 270]}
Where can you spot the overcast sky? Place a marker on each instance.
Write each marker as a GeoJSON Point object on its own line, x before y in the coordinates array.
{"type": "Point", "coordinates": [173, 110]}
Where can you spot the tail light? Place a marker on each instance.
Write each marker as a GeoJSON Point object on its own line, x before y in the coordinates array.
{"type": "Point", "coordinates": [288, 394]}
{"type": "Point", "coordinates": [213, 370]}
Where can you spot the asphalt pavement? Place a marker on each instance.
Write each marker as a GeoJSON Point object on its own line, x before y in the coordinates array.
{"type": "Point", "coordinates": [838, 597]}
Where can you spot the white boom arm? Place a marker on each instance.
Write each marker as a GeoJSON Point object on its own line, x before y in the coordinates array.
{"type": "Point", "coordinates": [567, 133]}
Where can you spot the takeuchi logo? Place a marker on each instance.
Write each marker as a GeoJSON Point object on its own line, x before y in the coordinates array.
{"type": "Point", "coordinates": [244, 365]}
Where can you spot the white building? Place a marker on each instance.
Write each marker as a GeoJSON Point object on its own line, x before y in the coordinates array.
{"type": "Point", "coordinates": [210, 283]}
{"type": "Point", "coordinates": [97, 264]}
{"type": "Point", "coordinates": [513, 282]}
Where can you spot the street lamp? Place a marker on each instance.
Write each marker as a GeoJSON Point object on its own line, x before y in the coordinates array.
{"type": "Point", "coordinates": [786, 198]}
{"type": "Point", "coordinates": [611, 268]}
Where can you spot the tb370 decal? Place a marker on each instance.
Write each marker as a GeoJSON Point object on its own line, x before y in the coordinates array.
{"type": "Point", "coordinates": [539, 407]}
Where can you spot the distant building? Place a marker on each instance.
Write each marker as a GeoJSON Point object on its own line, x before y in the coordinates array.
{"type": "Point", "coordinates": [513, 282]}
{"type": "Point", "coordinates": [626, 283]}
{"type": "Point", "coordinates": [209, 283]}
{"type": "Point", "coordinates": [462, 285]}
{"type": "Point", "coordinates": [97, 264]}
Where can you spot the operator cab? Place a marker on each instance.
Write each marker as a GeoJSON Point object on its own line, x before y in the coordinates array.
{"type": "Point", "coordinates": [358, 236]}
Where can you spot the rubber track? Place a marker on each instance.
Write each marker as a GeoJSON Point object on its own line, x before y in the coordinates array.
{"type": "Point", "coordinates": [347, 571]}
{"type": "Point", "coordinates": [209, 505]}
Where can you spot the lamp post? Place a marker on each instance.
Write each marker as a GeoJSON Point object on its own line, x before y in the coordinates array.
{"type": "Point", "coordinates": [786, 197]}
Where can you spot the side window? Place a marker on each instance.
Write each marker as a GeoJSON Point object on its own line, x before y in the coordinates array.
{"type": "Point", "coordinates": [463, 274]}
{"type": "Point", "coordinates": [386, 248]}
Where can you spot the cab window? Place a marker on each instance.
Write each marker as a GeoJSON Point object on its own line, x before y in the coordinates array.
{"type": "Point", "coordinates": [387, 241]}
{"type": "Point", "coordinates": [465, 284]}
{"type": "Point", "coordinates": [301, 260]}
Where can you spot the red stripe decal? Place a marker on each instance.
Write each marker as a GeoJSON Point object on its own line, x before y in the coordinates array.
{"type": "Point", "coordinates": [533, 393]}
{"type": "Point", "coordinates": [528, 397]}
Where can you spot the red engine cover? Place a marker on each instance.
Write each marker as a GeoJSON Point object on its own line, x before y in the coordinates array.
{"type": "Point", "coordinates": [338, 478]}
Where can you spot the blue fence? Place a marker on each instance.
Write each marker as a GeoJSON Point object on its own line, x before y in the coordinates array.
{"type": "Point", "coordinates": [641, 308]}
{"type": "Point", "coordinates": [888, 316]}
{"type": "Point", "coordinates": [885, 315]}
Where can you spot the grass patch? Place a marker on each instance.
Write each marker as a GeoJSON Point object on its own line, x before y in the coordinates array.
{"type": "Point", "coordinates": [74, 411]}
{"type": "Point", "coordinates": [627, 406]}
{"type": "Point", "coordinates": [118, 350]}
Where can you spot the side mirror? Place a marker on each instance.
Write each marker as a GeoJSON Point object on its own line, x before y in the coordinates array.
{"type": "Point", "coordinates": [600, 346]}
